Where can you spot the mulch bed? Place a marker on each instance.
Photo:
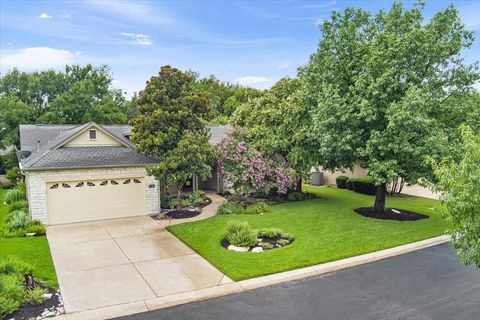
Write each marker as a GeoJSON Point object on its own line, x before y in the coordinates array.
{"type": "Point", "coordinates": [31, 311]}
{"type": "Point", "coordinates": [390, 214]}
{"type": "Point", "coordinates": [175, 214]}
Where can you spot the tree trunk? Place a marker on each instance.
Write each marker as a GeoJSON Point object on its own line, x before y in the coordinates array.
{"type": "Point", "coordinates": [379, 205]}
{"type": "Point", "coordinates": [179, 197]}
{"type": "Point", "coordinates": [299, 185]}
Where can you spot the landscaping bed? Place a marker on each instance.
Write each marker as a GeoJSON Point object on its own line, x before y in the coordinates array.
{"type": "Point", "coordinates": [326, 229]}
{"type": "Point", "coordinates": [391, 214]}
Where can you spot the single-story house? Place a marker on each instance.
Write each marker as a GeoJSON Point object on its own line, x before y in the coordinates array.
{"type": "Point", "coordinates": [77, 173]}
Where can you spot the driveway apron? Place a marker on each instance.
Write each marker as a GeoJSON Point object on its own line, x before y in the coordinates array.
{"type": "Point", "coordinates": [119, 261]}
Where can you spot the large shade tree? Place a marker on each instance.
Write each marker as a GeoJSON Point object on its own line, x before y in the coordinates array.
{"type": "Point", "coordinates": [459, 183]}
{"type": "Point", "coordinates": [378, 89]}
{"type": "Point", "coordinates": [277, 123]}
{"type": "Point", "coordinates": [171, 127]}
{"type": "Point", "coordinates": [78, 94]}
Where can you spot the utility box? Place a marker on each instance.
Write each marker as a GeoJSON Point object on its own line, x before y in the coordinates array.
{"type": "Point", "coordinates": [316, 178]}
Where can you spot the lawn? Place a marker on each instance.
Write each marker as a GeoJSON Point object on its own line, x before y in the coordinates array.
{"type": "Point", "coordinates": [325, 228]}
{"type": "Point", "coordinates": [34, 250]}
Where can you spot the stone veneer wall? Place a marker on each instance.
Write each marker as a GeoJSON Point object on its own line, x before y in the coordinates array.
{"type": "Point", "coordinates": [37, 192]}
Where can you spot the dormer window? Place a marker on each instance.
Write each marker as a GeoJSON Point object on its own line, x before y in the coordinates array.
{"type": "Point", "coordinates": [93, 134]}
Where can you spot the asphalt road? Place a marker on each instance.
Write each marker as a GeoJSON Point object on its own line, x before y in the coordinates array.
{"type": "Point", "coordinates": [426, 284]}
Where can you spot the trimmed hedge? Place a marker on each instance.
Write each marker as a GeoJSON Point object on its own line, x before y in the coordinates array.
{"type": "Point", "coordinates": [349, 184]}
{"type": "Point", "coordinates": [341, 182]}
{"type": "Point", "coordinates": [364, 185]}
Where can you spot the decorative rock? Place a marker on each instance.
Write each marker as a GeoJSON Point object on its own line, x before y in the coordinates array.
{"type": "Point", "coordinates": [257, 249]}
{"type": "Point", "coordinates": [31, 234]}
{"type": "Point", "coordinates": [50, 314]}
{"type": "Point", "coordinates": [237, 249]}
{"type": "Point", "coordinates": [396, 211]}
{"type": "Point", "coordinates": [47, 296]}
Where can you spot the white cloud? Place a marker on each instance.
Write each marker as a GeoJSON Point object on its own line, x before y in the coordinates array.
{"type": "Point", "coordinates": [319, 5]}
{"type": "Point", "coordinates": [44, 15]}
{"type": "Point", "coordinates": [251, 80]}
{"type": "Point", "coordinates": [139, 38]}
{"type": "Point", "coordinates": [66, 16]}
{"type": "Point", "coordinates": [283, 66]}
{"type": "Point", "coordinates": [37, 58]}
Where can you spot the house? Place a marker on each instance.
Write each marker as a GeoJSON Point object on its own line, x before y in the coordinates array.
{"type": "Point", "coordinates": [77, 173]}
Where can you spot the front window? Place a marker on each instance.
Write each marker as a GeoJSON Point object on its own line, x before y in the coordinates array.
{"type": "Point", "coordinates": [93, 134]}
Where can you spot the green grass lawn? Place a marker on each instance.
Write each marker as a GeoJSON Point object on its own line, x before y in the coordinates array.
{"type": "Point", "coordinates": [325, 229]}
{"type": "Point", "coordinates": [34, 250]}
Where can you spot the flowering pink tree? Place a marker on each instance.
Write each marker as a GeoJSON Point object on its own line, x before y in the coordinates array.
{"type": "Point", "coordinates": [245, 169]}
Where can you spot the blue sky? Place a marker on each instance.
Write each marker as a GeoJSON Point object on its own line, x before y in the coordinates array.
{"type": "Point", "coordinates": [250, 42]}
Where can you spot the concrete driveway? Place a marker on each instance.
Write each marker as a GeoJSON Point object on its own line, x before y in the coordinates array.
{"type": "Point", "coordinates": [114, 262]}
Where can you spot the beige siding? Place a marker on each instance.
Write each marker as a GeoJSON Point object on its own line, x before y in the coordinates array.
{"type": "Point", "coordinates": [329, 176]}
{"type": "Point", "coordinates": [83, 140]}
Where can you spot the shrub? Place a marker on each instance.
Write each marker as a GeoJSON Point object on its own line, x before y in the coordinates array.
{"type": "Point", "coordinates": [35, 296]}
{"type": "Point", "coordinates": [18, 219]}
{"type": "Point", "coordinates": [288, 236]}
{"type": "Point", "coordinates": [12, 292]}
{"type": "Point", "coordinates": [349, 184]}
{"type": "Point", "coordinates": [36, 228]}
{"type": "Point", "coordinates": [18, 205]}
{"type": "Point", "coordinates": [258, 208]}
{"type": "Point", "coordinates": [16, 194]}
{"type": "Point", "coordinates": [270, 233]}
{"type": "Point", "coordinates": [364, 185]}
{"type": "Point", "coordinates": [283, 242]}
{"type": "Point", "coordinates": [12, 295]}
{"type": "Point", "coordinates": [197, 197]}
{"type": "Point", "coordinates": [341, 182]}
{"type": "Point", "coordinates": [7, 185]}
{"type": "Point", "coordinates": [230, 208]}
{"type": "Point", "coordinates": [295, 196]}
{"type": "Point", "coordinates": [267, 245]}
{"type": "Point", "coordinates": [240, 234]}
{"type": "Point", "coordinates": [14, 175]}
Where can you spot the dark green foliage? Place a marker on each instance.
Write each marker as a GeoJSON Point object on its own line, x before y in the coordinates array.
{"type": "Point", "coordinates": [78, 94]}
{"type": "Point", "coordinates": [230, 208]}
{"type": "Point", "coordinates": [240, 234]}
{"type": "Point", "coordinates": [14, 175]}
{"type": "Point", "coordinates": [8, 161]}
{"type": "Point", "coordinates": [341, 182]}
{"type": "Point", "coordinates": [270, 233]}
{"type": "Point", "coordinates": [16, 194]}
{"type": "Point", "coordinates": [39, 229]}
{"type": "Point", "coordinates": [258, 207]}
{"type": "Point", "coordinates": [364, 185]}
{"type": "Point", "coordinates": [12, 293]}
{"type": "Point", "coordinates": [349, 184]}
{"type": "Point", "coordinates": [18, 205]}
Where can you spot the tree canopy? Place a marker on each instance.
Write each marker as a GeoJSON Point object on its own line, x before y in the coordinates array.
{"type": "Point", "coordinates": [378, 89]}
{"type": "Point", "coordinates": [171, 127]}
{"type": "Point", "coordinates": [77, 95]}
{"type": "Point", "coordinates": [277, 122]}
{"type": "Point", "coordinates": [459, 183]}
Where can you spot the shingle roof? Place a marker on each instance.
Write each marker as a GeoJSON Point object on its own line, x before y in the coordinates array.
{"type": "Point", "coordinates": [88, 157]}
{"type": "Point", "coordinates": [43, 141]}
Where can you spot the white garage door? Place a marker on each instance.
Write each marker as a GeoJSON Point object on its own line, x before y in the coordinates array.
{"type": "Point", "coordinates": [88, 200]}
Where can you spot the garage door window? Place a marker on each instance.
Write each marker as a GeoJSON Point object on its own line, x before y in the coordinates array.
{"type": "Point", "coordinates": [80, 184]}
{"type": "Point", "coordinates": [114, 182]}
{"type": "Point", "coordinates": [104, 183]}
{"type": "Point", "coordinates": [127, 181]}
{"type": "Point", "coordinates": [54, 186]}
{"type": "Point", "coordinates": [90, 184]}
{"type": "Point", "coordinates": [136, 181]}
{"type": "Point", "coordinates": [65, 185]}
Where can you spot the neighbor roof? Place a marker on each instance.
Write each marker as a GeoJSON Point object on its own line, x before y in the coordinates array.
{"type": "Point", "coordinates": [44, 143]}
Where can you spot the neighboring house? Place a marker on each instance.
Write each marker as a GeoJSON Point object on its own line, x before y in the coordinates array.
{"type": "Point", "coordinates": [77, 173]}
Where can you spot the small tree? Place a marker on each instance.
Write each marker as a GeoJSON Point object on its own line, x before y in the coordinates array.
{"type": "Point", "coordinates": [277, 123]}
{"type": "Point", "coordinates": [245, 168]}
{"type": "Point", "coordinates": [171, 127]}
{"type": "Point", "coordinates": [460, 187]}
{"type": "Point", "coordinates": [378, 91]}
